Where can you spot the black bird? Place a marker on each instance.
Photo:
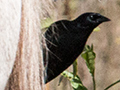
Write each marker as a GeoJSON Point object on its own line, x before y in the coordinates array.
{"type": "Point", "coordinates": [65, 41]}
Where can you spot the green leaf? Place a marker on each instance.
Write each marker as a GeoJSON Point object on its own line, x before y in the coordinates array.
{"type": "Point", "coordinates": [97, 29]}
{"type": "Point", "coordinates": [74, 80]}
{"type": "Point", "coordinates": [89, 56]}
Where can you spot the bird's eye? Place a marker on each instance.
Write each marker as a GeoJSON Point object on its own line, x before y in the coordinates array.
{"type": "Point", "coordinates": [94, 17]}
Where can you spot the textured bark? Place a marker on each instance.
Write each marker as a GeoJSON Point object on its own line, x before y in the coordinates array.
{"type": "Point", "coordinates": [10, 14]}
{"type": "Point", "coordinates": [20, 45]}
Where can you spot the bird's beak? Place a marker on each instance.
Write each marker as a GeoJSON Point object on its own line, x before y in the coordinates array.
{"type": "Point", "coordinates": [104, 19]}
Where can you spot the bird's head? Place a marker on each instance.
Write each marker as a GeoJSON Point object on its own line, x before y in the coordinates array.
{"type": "Point", "coordinates": [90, 19]}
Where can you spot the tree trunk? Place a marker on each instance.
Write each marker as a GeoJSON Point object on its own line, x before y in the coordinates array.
{"type": "Point", "coordinates": [10, 15]}
{"type": "Point", "coordinates": [20, 48]}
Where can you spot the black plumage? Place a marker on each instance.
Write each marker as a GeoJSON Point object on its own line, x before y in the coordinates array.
{"type": "Point", "coordinates": [65, 41]}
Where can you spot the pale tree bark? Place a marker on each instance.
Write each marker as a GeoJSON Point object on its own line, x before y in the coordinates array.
{"type": "Point", "coordinates": [10, 15]}
{"type": "Point", "coordinates": [20, 45]}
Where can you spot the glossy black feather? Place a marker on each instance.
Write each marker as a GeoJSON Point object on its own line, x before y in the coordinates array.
{"type": "Point", "coordinates": [65, 41]}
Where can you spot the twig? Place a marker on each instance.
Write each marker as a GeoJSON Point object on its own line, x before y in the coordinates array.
{"type": "Point", "coordinates": [112, 85]}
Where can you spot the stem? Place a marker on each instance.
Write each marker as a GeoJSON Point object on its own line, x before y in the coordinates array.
{"type": "Point", "coordinates": [112, 85]}
{"type": "Point", "coordinates": [75, 68]}
{"type": "Point", "coordinates": [94, 83]}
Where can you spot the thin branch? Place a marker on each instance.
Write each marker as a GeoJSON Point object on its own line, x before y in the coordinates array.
{"type": "Point", "coordinates": [112, 85]}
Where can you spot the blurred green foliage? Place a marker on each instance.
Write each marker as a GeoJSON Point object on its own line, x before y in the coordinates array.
{"type": "Point", "coordinates": [46, 22]}
{"type": "Point", "coordinates": [74, 80]}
